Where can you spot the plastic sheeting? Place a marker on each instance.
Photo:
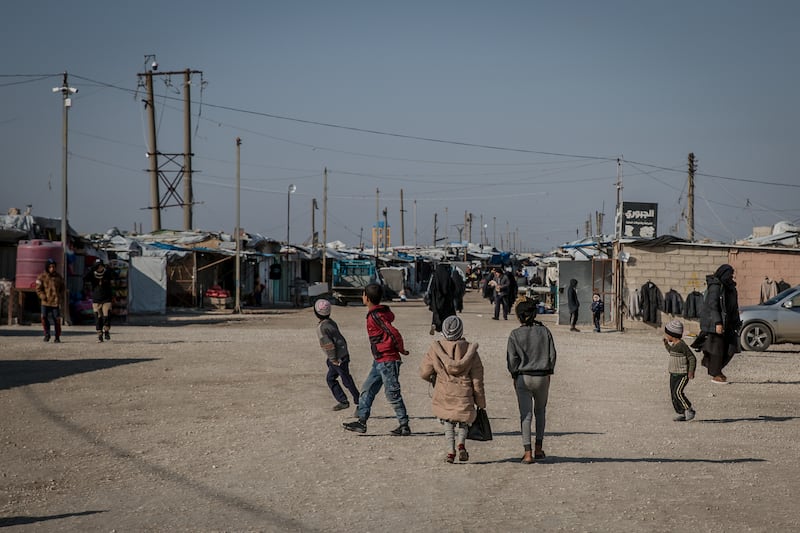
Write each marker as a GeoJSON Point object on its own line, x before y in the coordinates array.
{"type": "Point", "coordinates": [147, 285]}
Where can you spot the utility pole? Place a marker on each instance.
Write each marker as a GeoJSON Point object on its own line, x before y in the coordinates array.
{"type": "Point", "coordinates": [188, 196]}
{"type": "Point", "coordinates": [158, 173]}
{"type": "Point", "coordinates": [494, 231]}
{"type": "Point", "coordinates": [402, 221]}
{"type": "Point", "coordinates": [435, 215]}
{"type": "Point", "coordinates": [152, 154]}
{"type": "Point", "coordinates": [415, 223]}
{"type": "Point", "coordinates": [237, 281]}
{"type": "Point", "coordinates": [690, 198]}
{"type": "Point", "coordinates": [314, 207]}
{"type": "Point", "coordinates": [376, 239]}
{"type": "Point", "coordinates": [385, 229]}
{"type": "Point", "coordinates": [66, 95]}
{"type": "Point", "coordinates": [325, 226]}
{"type": "Point", "coordinates": [618, 221]}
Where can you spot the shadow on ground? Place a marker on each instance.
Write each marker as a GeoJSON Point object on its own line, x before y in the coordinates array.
{"type": "Point", "coordinates": [22, 520]}
{"type": "Point", "coordinates": [18, 373]}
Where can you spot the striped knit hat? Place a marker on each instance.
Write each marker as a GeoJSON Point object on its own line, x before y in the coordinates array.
{"type": "Point", "coordinates": [452, 328]}
{"type": "Point", "coordinates": [674, 328]}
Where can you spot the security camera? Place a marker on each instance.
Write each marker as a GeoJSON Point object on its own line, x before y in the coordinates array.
{"type": "Point", "coordinates": [154, 65]}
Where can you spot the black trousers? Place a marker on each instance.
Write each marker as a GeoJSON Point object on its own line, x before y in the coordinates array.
{"type": "Point", "coordinates": [334, 374]}
{"type": "Point", "coordinates": [678, 382]}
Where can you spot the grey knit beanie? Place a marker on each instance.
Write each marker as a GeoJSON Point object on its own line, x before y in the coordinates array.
{"type": "Point", "coordinates": [674, 328]}
{"type": "Point", "coordinates": [452, 328]}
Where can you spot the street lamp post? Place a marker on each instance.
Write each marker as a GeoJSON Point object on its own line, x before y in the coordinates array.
{"type": "Point", "coordinates": [289, 192]}
{"type": "Point", "coordinates": [237, 306]}
{"type": "Point", "coordinates": [292, 188]}
{"type": "Point", "coordinates": [66, 93]}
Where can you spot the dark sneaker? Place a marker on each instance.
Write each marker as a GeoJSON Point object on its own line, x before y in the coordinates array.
{"type": "Point", "coordinates": [107, 336]}
{"type": "Point", "coordinates": [451, 458]}
{"type": "Point", "coordinates": [680, 418]}
{"type": "Point", "coordinates": [358, 426]}
{"type": "Point", "coordinates": [463, 455]}
{"type": "Point", "coordinates": [689, 414]}
{"type": "Point", "coordinates": [46, 338]}
{"type": "Point", "coordinates": [401, 431]}
{"type": "Point", "coordinates": [57, 339]}
{"type": "Point", "coordinates": [341, 405]}
{"type": "Point", "coordinates": [99, 337]}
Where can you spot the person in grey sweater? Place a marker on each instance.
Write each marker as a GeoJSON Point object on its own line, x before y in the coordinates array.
{"type": "Point", "coordinates": [531, 360]}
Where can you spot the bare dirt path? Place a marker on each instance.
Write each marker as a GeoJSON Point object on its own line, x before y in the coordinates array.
{"type": "Point", "coordinates": [224, 423]}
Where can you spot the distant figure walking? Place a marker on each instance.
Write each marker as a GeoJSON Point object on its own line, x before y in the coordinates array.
{"type": "Point", "coordinates": [460, 288]}
{"type": "Point", "coordinates": [502, 286]}
{"type": "Point", "coordinates": [682, 363]}
{"type": "Point", "coordinates": [456, 371]}
{"type": "Point", "coordinates": [597, 311]}
{"type": "Point", "coordinates": [50, 288]}
{"type": "Point", "coordinates": [442, 296]}
{"type": "Point", "coordinates": [337, 355]}
{"type": "Point", "coordinates": [573, 304]}
{"type": "Point", "coordinates": [101, 279]}
{"type": "Point", "coordinates": [531, 360]}
{"type": "Point", "coordinates": [719, 323]}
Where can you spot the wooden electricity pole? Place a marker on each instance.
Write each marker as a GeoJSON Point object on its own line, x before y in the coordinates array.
{"type": "Point", "coordinates": [690, 198]}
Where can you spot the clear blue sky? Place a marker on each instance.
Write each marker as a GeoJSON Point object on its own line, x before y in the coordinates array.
{"type": "Point", "coordinates": [590, 81]}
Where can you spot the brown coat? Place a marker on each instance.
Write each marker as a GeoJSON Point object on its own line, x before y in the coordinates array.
{"type": "Point", "coordinates": [50, 288]}
{"type": "Point", "coordinates": [456, 370]}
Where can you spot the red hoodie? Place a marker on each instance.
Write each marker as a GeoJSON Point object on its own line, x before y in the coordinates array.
{"type": "Point", "coordinates": [384, 339]}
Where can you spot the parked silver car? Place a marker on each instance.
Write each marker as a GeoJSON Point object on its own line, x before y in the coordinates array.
{"type": "Point", "coordinates": [775, 321]}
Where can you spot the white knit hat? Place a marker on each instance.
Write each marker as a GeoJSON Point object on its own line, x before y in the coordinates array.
{"type": "Point", "coordinates": [322, 307]}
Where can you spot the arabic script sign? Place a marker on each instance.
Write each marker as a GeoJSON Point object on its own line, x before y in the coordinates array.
{"type": "Point", "coordinates": [639, 219]}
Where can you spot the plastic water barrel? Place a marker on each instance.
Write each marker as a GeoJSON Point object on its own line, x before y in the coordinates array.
{"type": "Point", "coordinates": [31, 258]}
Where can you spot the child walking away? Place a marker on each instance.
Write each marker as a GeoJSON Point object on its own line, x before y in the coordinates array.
{"type": "Point", "coordinates": [682, 363]}
{"type": "Point", "coordinates": [334, 345]}
{"type": "Point", "coordinates": [597, 311]}
{"type": "Point", "coordinates": [456, 371]}
{"type": "Point", "coordinates": [387, 346]}
{"type": "Point", "coordinates": [531, 360]}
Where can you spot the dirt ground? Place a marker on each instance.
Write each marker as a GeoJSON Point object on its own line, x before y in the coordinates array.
{"type": "Point", "coordinates": [221, 422]}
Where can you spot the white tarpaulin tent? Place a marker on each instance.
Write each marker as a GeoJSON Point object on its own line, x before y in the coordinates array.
{"type": "Point", "coordinates": [147, 285]}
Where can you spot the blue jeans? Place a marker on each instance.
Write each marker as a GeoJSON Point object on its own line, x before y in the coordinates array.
{"type": "Point", "coordinates": [385, 375]}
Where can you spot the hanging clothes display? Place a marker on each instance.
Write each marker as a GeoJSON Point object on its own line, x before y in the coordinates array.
{"type": "Point", "coordinates": [782, 285]}
{"type": "Point", "coordinates": [633, 306]}
{"type": "Point", "coordinates": [673, 303]}
{"type": "Point", "coordinates": [769, 288]}
{"type": "Point", "coordinates": [693, 302]}
{"type": "Point", "coordinates": [652, 302]}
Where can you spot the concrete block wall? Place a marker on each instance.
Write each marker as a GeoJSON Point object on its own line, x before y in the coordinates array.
{"type": "Point", "coordinates": [752, 266]}
{"type": "Point", "coordinates": [682, 268]}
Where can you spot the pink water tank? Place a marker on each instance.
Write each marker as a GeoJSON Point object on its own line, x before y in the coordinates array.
{"type": "Point", "coordinates": [31, 259]}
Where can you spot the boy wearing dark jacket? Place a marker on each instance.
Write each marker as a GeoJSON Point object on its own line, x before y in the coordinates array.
{"type": "Point", "coordinates": [386, 344]}
{"type": "Point", "coordinates": [334, 345]}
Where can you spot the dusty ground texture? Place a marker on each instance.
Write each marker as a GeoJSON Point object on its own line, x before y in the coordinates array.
{"type": "Point", "coordinates": [224, 423]}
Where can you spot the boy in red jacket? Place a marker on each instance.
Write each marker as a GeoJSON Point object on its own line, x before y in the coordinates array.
{"type": "Point", "coordinates": [386, 344]}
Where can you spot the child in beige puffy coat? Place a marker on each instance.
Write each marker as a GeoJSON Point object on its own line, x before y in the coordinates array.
{"type": "Point", "coordinates": [456, 371]}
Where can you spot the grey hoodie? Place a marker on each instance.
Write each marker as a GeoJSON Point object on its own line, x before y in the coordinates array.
{"type": "Point", "coordinates": [531, 351]}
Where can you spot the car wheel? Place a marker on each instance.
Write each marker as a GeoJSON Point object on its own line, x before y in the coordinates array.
{"type": "Point", "coordinates": [756, 337]}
